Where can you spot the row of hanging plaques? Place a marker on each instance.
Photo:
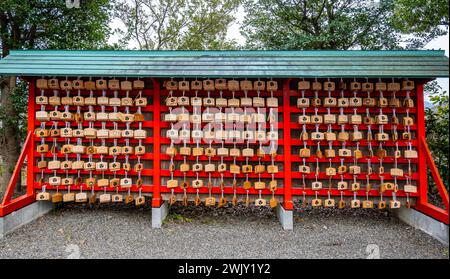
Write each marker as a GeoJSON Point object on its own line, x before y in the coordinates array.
{"type": "Point", "coordinates": [180, 95]}
{"type": "Point", "coordinates": [91, 134]}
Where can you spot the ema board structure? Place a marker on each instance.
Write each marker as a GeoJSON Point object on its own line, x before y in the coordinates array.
{"type": "Point", "coordinates": [265, 128]}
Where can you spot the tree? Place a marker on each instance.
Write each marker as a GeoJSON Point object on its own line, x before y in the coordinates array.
{"type": "Point", "coordinates": [431, 16]}
{"type": "Point", "coordinates": [36, 24]}
{"type": "Point", "coordinates": [423, 20]}
{"type": "Point", "coordinates": [437, 130]}
{"type": "Point", "coordinates": [325, 24]}
{"type": "Point", "coordinates": [177, 24]}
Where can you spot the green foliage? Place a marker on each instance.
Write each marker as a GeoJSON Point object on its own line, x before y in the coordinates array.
{"type": "Point", "coordinates": [19, 102]}
{"type": "Point", "coordinates": [437, 129]}
{"type": "Point", "coordinates": [37, 24]}
{"type": "Point", "coordinates": [416, 16]}
{"type": "Point", "coordinates": [28, 24]}
{"type": "Point", "coordinates": [325, 24]}
{"type": "Point", "coordinates": [318, 24]}
{"type": "Point", "coordinates": [177, 24]}
{"type": "Point", "coordinates": [179, 217]}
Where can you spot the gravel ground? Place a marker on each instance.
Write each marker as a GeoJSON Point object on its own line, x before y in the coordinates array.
{"type": "Point", "coordinates": [198, 232]}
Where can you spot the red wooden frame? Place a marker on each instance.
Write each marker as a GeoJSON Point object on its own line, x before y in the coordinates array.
{"type": "Point", "coordinates": [228, 190]}
{"type": "Point", "coordinates": [425, 158]}
{"type": "Point", "coordinates": [156, 199]}
{"type": "Point", "coordinates": [145, 188]}
{"type": "Point", "coordinates": [287, 192]}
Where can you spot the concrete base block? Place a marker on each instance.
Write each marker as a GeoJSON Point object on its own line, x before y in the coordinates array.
{"type": "Point", "coordinates": [23, 216]}
{"type": "Point", "coordinates": [286, 217]}
{"type": "Point", "coordinates": [159, 214]}
{"type": "Point", "coordinates": [418, 220]}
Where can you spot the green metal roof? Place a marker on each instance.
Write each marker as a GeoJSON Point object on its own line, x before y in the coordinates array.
{"type": "Point", "coordinates": [412, 64]}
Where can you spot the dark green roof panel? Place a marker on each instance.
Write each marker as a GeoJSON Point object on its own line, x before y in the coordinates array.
{"type": "Point", "coordinates": [413, 64]}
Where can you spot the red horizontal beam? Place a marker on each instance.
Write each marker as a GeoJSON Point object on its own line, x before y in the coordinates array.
{"type": "Point", "coordinates": [226, 174]}
{"type": "Point", "coordinates": [360, 193]}
{"type": "Point", "coordinates": [145, 172]}
{"type": "Point", "coordinates": [348, 93]}
{"type": "Point", "coordinates": [349, 127]}
{"type": "Point", "coordinates": [147, 156]}
{"type": "Point", "coordinates": [226, 190]}
{"type": "Point", "coordinates": [310, 127]}
{"type": "Point", "coordinates": [350, 110]}
{"type": "Point", "coordinates": [96, 124]}
{"type": "Point", "coordinates": [165, 140]}
{"type": "Point", "coordinates": [294, 158]}
{"type": "Point", "coordinates": [239, 125]}
{"type": "Point", "coordinates": [310, 143]}
{"type": "Point", "coordinates": [299, 192]}
{"type": "Point", "coordinates": [96, 93]}
{"type": "Point", "coordinates": [375, 144]}
{"type": "Point", "coordinates": [121, 141]}
{"type": "Point", "coordinates": [434, 212]}
{"type": "Point", "coordinates": [364, 160]}
{"type": "Point", "coordinates": [348, 176]}
{"type": "Point", "coordinates": [225, 93]}
{"type": "Point", "coordinates": [144, 188]}
{"type": "Point", "coordinates": [191, 159]}
{"type": "Point", "coordinates": [311, 176]}
{"type": "Point", "coordinates": [279, 92]}
{"type": "Point", "coordinates": [96, 108]}
{"type": "Point", "coordinates": [322, 110]}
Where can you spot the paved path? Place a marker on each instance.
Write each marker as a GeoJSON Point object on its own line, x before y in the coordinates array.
{"type": "Point", "coordinates": [227, 233]}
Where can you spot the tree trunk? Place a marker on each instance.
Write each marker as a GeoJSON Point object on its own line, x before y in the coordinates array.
{"type": "Point", "coordinates": [9, 140]}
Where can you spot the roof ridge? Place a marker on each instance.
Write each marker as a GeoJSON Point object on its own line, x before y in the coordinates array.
{"type": "Point", "coordinates": [274, 63]}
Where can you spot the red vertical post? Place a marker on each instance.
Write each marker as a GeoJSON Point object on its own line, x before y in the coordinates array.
{"type": "Point", "coordinates": [422, 163]}
{"type": "Point", "coordinates": [287, 204]}
{"type": "Point", "coordinates": [30, 128]}
{"type": "Point", "coordinates": [156, 200]}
